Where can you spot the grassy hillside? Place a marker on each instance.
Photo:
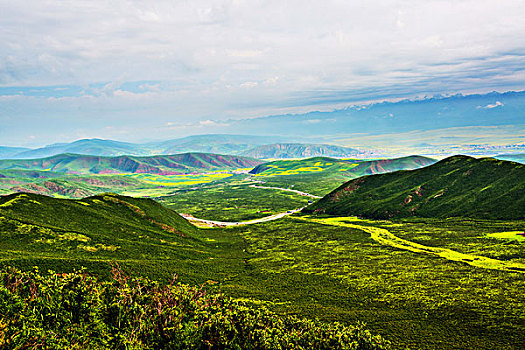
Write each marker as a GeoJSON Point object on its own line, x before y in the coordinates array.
{"type": "Point", "coordinates": [456, 186]}
{"type": "Point", "coordinates": [320, 175]}
{"type": "Point", "coordinates": [291, 266]}
{"type": "Point", "coordinates": [169, 164]}
{"type": "Point", "coordinates": [61, 233]}
{"type": "Point", "coordinates": [299, 150]}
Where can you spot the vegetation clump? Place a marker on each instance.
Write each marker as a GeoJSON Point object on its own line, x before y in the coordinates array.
{"type": "Point", "coordinates": [79, 311]}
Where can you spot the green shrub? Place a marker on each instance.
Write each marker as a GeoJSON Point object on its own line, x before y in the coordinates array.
{"type": "Point", "coordinates": [78, 311]}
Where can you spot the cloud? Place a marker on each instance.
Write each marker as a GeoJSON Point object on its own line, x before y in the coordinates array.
{"type": "Point", "coordinates": [198, 60]}
{"type": "Point", "coordinates": [490, 106]}
{"type": "Point", "coordinates": [249, 84]}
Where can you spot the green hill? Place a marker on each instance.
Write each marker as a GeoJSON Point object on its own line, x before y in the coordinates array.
{"type": "Point", "coordinates": [458, 186]}
{"type": "Point", "coordinates": [166, 164]}
{"type": "Point", "coordinates": [61, 233]}
{"type": "Point", "coordinates": [354, 166]}
{"type": "Point", "coordinates": [388, 165]}
{"type": "Point", "coordinates": [320, 175]}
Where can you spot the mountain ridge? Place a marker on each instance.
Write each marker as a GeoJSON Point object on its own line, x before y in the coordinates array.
{"type": "Point", "coordinates": [457, 186]}
{"type": "Point", "coordinates": [162, 164]}
{"type": "Point", "coordinates": [300, 150]}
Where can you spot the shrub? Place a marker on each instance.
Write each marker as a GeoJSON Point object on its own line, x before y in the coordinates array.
{"type": "Point", "coordinates": [79, 311]}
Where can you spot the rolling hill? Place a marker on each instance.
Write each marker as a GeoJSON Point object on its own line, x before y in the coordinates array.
{"type": "Point", "coordinates": [241, 145]}
{"type": "Point", "coordinates": [457, 186]}
{"type": "Point", "coordinates": [170, 164]}
{"type": "Point", "coordinates": [300, 150]}
{"type": "Point", "coordinates": [388, 165]}
{"type": "Point", "coordinates": [320, 175]}
{"type": "Point", "coordinates": [355, 166]}
{"type": "Point", "coordinates": [63, 233]}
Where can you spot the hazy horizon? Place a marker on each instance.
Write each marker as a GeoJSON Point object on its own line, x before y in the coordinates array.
{"type": "Point", "coordinates": [133, 71]}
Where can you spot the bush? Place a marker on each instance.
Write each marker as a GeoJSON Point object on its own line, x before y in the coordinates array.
{"type": "Point", "coordinates": [78, 311]}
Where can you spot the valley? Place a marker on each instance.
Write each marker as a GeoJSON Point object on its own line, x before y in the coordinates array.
{"type": "Point", "coordinates": [262, 175]}
{"type": "Point", "coordinates": [418, 281]}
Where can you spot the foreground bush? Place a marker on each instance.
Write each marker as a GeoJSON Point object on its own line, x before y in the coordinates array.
{"type": "Point", "coordinates": [77, 311]}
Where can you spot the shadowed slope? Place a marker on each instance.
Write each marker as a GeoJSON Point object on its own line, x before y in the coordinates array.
{"type": "Point", "coordinates": [456, 186]}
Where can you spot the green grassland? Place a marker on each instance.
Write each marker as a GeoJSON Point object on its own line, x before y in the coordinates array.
{"type": "Point", "coordinates": [292, 266]}
{"type": "Point", "coordinates": [78, 186]}
{"type": "Point", "coordinates": [386, 237]}
{"type": "Point", "coordinates": [232, 201]}
{"type": "Point", "coordinates": [320, 175]}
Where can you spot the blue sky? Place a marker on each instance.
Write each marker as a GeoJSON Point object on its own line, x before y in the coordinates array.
{"type": "Point", "coordinates": [144, 70]}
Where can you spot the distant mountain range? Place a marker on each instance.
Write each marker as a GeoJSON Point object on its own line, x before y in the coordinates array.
{"type": "Point", "coordinates": [241, 145]}
{"type": "Point", "coordinates": [438, 112]}
{"type": "Point", "coordinates": [518, 158]}
{"type": "Point", "coordinates": [165, 165]}
{"type": "Point", "coordinates": [355, 126]}
{"type": "Point", "coordinates": [213, 143]}
{"type": "Point", "coordinates": [8, 152]}
{"type": "Point", "coordinates": [458, 186]}
{"type": "Point", "coordinates": [300, 150]}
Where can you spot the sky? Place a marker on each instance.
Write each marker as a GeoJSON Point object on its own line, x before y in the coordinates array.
{"type": "Point", "coordinates": [146, 70]}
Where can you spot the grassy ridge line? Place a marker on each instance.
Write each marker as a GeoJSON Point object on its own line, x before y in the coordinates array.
{"type": "Point", "coordinates": [385, 237]}
{"type": "Point", "coordinates": [458, 186]}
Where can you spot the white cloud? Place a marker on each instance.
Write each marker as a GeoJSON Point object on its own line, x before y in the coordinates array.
{"type": "Point", "coordinates": [220, 59]}
{"type": "Point", "coordinates": [489, 106]}
{"type": "Point", "coordinates": [249, 84]}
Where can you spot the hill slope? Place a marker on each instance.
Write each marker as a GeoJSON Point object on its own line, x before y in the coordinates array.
{"type": "Point", "coordinates": [62, 233]}
{"type": "Point", "coordinates": [300, 150]}
{"type": "Point", "coordinates": [170, 164]}
{"type": "Point", "coordinates": [356, 167]}
{"type": "Point", "coordinates": [457, 186]}
{"type": "Point", "coordinates": [320, 175]}
{"type": "Point", "coordinates": [107, 216]}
